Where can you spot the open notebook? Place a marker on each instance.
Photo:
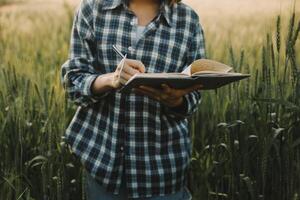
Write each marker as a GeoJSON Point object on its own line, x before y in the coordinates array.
{"type": "Point", "coordinates": [211, 74]}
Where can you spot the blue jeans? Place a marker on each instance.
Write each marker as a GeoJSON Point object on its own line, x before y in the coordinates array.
{"type": "Point", "coordinates": [96, 192]}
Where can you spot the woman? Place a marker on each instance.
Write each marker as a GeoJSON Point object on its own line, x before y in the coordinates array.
{"type": "Point", "coordinates": [132, 145]}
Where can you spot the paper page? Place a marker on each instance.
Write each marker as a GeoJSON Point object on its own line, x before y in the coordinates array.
{"type": "Point", "coordinates": [214, 72]}
{"type": "Point", "coordinates": [187, 71]}
{"type": "Point", "coordinates": [218, 74]}
{"type": "Point", "coordinates": [159, 75]}
{"type": "Point", "coordinates": [209, 65]}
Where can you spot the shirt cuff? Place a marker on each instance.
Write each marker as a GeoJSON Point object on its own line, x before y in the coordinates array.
{"type": "Point", "coordinates": [187, 108]}
{"type": "Point", "coordinates": [87, 90]}
{"type": "Point", "coordinates": [180, 111]}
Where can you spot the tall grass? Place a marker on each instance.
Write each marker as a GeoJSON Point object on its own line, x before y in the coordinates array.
{"type": "Point", "coordinates": [2, 2]}
{"type": "Point", "coordinates": [34, 163]}
{"type": "Point", "coordinates": [245, 136]}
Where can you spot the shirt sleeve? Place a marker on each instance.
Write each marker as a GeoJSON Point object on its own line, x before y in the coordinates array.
{"type": "Point", "coordinates": [78, 72]}
{"type": "Point", "coordinates": [196, 50]}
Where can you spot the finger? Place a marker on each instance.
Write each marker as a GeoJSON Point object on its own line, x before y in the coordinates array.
{"type": "Point", "coordinates": [119, 67]}
{"type": "Point", "coordinates": [125, 76]}
{"type": "Point", "coordinates": [166, 88]}
{"type": "Point", "coordinates": [138, 65]}
{"type": "Point", "coordinates": [122, 81]}
{"type": "Point", "coordinates": [153, 96]}
{"type": "Point", "coordinates": [147, 93]}
{"type": "Point", "coordinates": [159, 93]}
{"type": "Point", "coordinates": [138, 91]}
{"type": "Point", "coordinates": [152, 90]}
{"type": "Point", "coordinates": [166, 96]}
{"type": "Point", "coordinates": [162, 93]}
{"type": "Point", "coordinates": [116, 83]}
{"type": "Point", "coordinates": [126, 69]}
{"type": "Point", "coordinates": [130, 70]}
{"type": "Point", "coordinates": [193, 88]}
{"type": "Point", "coordinates": [173, 93]}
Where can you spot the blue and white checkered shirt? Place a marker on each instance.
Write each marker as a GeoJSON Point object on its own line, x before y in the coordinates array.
{"type": "Point", "coordinates": [115, 131]}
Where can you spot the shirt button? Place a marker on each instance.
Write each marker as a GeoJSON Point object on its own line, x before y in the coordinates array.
{"type": "Point", "coordinates": [121, 148]}
{"type": "Point", "coordinates": [132, 23]}
{"type": "Point", "coordinates": [130, 48]}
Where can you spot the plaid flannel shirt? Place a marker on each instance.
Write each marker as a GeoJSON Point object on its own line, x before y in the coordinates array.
{"type": "Point", "coordinates": [114, 131]}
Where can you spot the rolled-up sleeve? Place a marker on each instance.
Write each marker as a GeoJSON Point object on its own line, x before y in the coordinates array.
{"type": "Point", "coordinates": [78, 72]}
{"type": "Point", "coordinates": [196, 50]}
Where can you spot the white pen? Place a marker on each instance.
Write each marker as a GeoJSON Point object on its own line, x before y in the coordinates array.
{"type": "Point", "coordinates": [122, 55]}
{"type": "Point", "coordinates": [118, 51]}
{"type": "Point", "coordinates": [122, 65]}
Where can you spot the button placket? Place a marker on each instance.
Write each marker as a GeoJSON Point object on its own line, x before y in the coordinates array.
{"type": "Point", "coordinates": [133, 24]}
{"type": "Point", "coordinates": [122, 133]}
{"type": "Point", "coordinates": [122, 139]}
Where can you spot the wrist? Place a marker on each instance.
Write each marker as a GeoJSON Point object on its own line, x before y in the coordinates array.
{"type": "Point", "coordinates": [109, 80]}
{"type": "Point", "coordinates": [112, 80]}
{"type": "Point", "coordinates": [102, 84]}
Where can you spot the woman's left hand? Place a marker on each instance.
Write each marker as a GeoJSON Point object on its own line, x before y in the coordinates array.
{"type": "Point", "coordinates": [167, 95]}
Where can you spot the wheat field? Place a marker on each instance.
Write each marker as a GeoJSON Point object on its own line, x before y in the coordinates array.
{"type": "Point", "coordinates": [246, 136]}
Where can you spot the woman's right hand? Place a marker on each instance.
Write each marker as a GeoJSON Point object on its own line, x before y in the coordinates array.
{"type": "Point", "coordinates": [114, 80]}
{"type": "Point", "coordinates": [130, 68]}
